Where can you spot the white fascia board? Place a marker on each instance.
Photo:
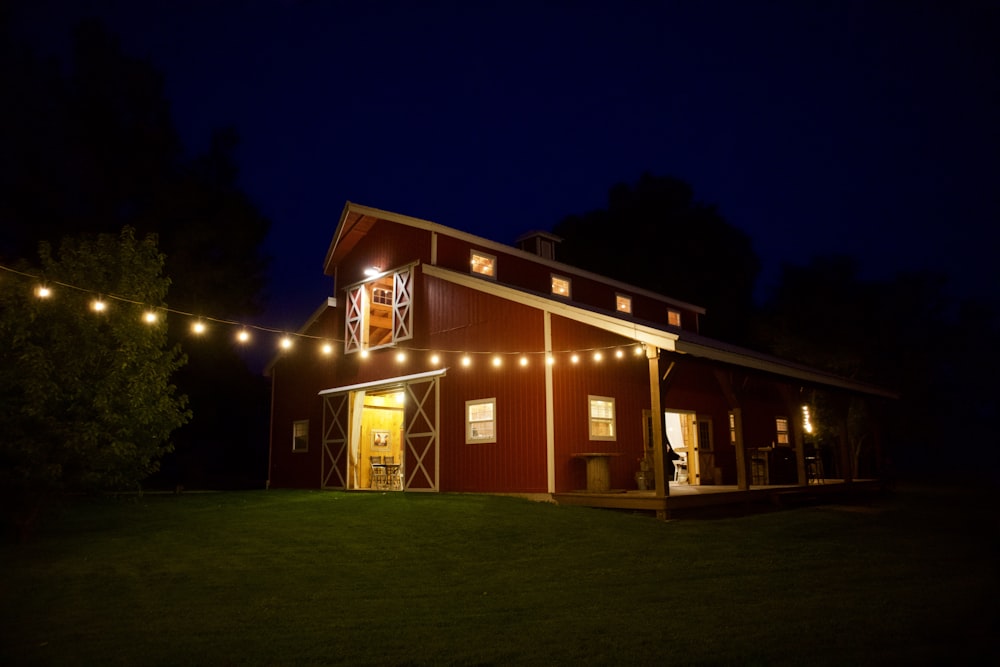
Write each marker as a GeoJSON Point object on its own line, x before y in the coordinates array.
{"type": "Point", "coordinates": [400, 379]}
{"type": "Point", "coordinates": [664, 340]}
{"type": "Point", "coordinates": [496, 246]}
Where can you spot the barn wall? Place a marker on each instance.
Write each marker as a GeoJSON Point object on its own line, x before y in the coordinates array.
{"type": "Point", "coordinates": [626, 380]}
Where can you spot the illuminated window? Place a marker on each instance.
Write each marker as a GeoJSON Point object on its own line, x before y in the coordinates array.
{"type": "Point", "coordinates": [623, 304]}
{"type": "Point", "coordinates": [674, 318]}
{"type": "Point", "coordinates": [483, 264]}
{"type": "Point", "coordinates": [560, 286]}
{"type": "Point", "coordinates": [379, 312]}
{"type": "Point", "coordinates": [602, 417]}
{"type": "Point", "coordinates": [781, 425]}
{"type": "Point", "coordinates": [732, 428]}
{"type": "Point", "coordinates": [480, 420]}
{"type": "Point", "coordinates": [300, 436]}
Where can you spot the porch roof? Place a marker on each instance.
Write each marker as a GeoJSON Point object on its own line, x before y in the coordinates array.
{"type": "Point", "coordinates": [399, 379]}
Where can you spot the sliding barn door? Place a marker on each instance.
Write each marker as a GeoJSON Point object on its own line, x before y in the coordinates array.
{"type": "Point", "coordinates": [422, 413]}
{"type": "Point", "coordinates": [336, 428]}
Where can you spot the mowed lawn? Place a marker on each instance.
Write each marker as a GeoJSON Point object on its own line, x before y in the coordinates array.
{"type": "Point", "coordinates": [300, 578]}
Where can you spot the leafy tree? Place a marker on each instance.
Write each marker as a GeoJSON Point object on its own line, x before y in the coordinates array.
{"type": "Point", "coordinates": [87, 397]}
{"type": "Point", "coordinates": [91, 147]}
{"type": "Point", "coordinates": [656, 235]}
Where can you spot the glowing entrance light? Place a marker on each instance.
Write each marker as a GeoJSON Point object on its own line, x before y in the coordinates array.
{"type": "Point", "coordinates": [372, 271]}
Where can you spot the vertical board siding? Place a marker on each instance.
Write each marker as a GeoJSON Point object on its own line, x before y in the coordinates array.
{"type": "Point", "coordinates": [461, 321]}
{"type": "Point", "coordinates": [626, 380]}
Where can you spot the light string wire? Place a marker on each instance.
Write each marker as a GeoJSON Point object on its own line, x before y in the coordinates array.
{"type": "Point", "coordinates": [43, 281]}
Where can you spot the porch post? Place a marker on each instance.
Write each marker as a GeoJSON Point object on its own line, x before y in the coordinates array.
{"type": "Point", "coordinates": [742, 461]}
{"type": "Point", "coordinates": [659, 470]}
{"type": "Point", "coordinates": [842, 406]}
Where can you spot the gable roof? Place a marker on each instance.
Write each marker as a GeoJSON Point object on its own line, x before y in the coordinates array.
{"type": "Point", "coordinates": [356, 220]}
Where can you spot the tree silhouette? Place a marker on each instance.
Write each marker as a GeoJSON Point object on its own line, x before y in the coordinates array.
{"type": "Point", "coordinates": [657, 236]}
{"type": "Point", "coordinates": [91, 147]}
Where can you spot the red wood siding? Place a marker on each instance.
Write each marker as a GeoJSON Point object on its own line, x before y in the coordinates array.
{"type": "Point", "coordinates": [296, 377]}
{"type": "Point", "coordinates": [626, 380]}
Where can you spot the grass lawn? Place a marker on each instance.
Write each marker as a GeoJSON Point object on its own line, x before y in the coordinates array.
{"type": "Point", "coordinates": [301, 577]}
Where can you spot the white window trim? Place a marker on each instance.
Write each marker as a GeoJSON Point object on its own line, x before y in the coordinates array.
{"type": "Point", "coordinates": [614, 418]}
{"type": "Point", "coordinates": [469, 439]}
{"type": "Point", "coordinates": [569, 286]}
{"type": "Point", "coordinates": [486, 255]}
{"type": "Point", "coordinates": [627, 299]}
{"type": "Point", "coordinates": [295, 424]}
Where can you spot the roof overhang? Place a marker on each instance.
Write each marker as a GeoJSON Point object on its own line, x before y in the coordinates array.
{"type": "Point", "coordinates": [385, 382]}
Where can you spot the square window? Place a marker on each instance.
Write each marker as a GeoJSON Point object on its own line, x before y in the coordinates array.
{"type": "Point", "coordinates": [602, 417]}
{"type": "Point", "coordinates": [480, 421]}
{"type": "Point", "coordinates": [560, 286]}
{"type": "Point", "coordinates": [483, 264]}
{"type": "Point", "coordinates": [300, 436]}
{"type": "Point", "coordinates": [623, 304]}
{"type": "Point", "coordinates": [674, 318]}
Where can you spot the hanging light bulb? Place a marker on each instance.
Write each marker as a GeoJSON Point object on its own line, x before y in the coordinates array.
{"type": "Point", "coordinates": [466, 361]}
{"type": "Point", "coordinates": [150, 317]}
{"type": "Point", "coordinates": [198, 327]}
{"type": "Point", "coordinates": [400, 357]}
{"type": "Point", "coordinates": [598, 356]}
{"type": "Point", "coordinates": [43, 292]}
{"type": "Point", "coordinates": [327, 349]}
{"type": "Point", "coordinates": [98, 305]}
{"type": "Point", "coordinates": [243, 336]}
{"type": "Point", "coordinates": [435, 359]}
{"type": "Point", "coordinates": [286, 343]}
{"type": "Point", "coordinates": [497, 361]}
{"type": "Point", "coordinates": [523, 360]}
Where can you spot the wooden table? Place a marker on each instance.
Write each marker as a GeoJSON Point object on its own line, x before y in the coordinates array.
{"type": "Point", "coordinates": [598, 470]}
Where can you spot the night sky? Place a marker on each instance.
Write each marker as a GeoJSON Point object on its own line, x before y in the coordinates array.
{"type": "Point", "coordinates": [861, 127]}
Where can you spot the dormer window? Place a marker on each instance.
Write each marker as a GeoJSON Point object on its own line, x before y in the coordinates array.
{"type": "Point", "coordinates": [623, 304]}
{"type": "Point", "coordinates": [561, 286]}
{"type": "Point", "coordinates": [483, 264]}
{"type": "Point", "coordinates": [674, 318]}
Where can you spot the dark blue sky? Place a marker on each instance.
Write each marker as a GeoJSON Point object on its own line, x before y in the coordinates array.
{"type": "Point", "coordinates": [861, 127]}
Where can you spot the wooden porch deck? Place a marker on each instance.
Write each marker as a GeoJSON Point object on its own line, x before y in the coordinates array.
{"type": "Point", "coordinates": [687, 500]}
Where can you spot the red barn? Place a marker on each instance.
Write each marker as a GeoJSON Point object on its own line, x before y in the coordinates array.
{"type": "Point", "coordinates": [448, 362]}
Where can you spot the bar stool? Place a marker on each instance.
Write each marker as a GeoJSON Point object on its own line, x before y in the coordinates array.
{"type": "Point", "coordinates": [814, 470]}
{"type": "Point", "coordinates": [378, 480]}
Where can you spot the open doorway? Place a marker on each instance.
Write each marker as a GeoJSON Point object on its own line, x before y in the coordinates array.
{"type": "Point", "coordinates": [377, 432]}
{"type": "Point", "coordinates": [679, 429]}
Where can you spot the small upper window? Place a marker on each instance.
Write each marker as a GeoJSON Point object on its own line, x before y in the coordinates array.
{"type": "Point", "coordinates": [674, 318]}
{"type": "Point", "coordinates": [560, 286]}
{"type": "Point", "coordinates": [480, 420]}
{"type": "Point", "coordinates": [483, 264]}
{"type": "Point", "coordinates": [602, 417]}
{"type": "Point", "coordinates": [300, 436]}
{"type": "Point", "coordinates": [623, 304]}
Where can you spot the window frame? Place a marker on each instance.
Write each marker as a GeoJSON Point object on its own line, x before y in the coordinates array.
{"type": "Point", "coordinates": [300, 437]}
{"type": "Point", "coordinates": [492, 259]}
{"type": "Point", "coordinates": [469, 438]}
{"type": "Point", "coordinates": [612, 422]}
{"type": "Point", "coordinates": [553, 277]}
{"type": "Point", "coordinates": [780, 421]}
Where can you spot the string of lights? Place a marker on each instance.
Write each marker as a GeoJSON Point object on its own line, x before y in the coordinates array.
{"type": "Point", "coordinates": [45, 288]}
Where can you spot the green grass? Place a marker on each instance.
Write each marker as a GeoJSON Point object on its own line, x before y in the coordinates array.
{"type": "Point", "coordinates": [299, 577]}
